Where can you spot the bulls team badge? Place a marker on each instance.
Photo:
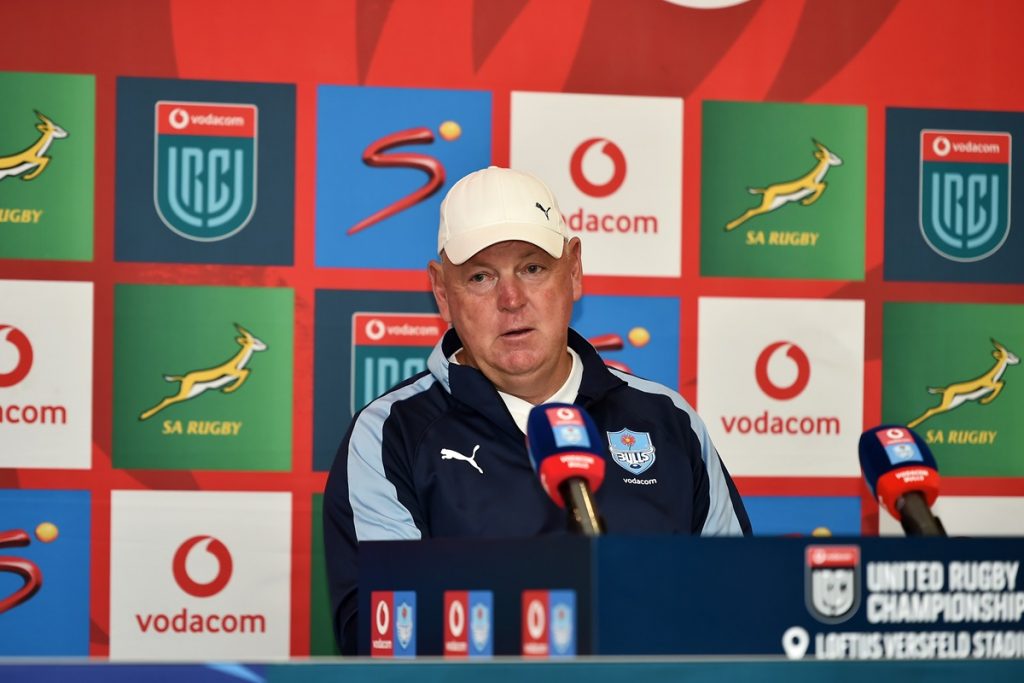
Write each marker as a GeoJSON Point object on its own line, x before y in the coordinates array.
{"type": "Point", "coordinates": [965, 192]}
{"type": "Point", "coordinates": [481, 623]}
{"type": "Point", "coordinates": [832, 582]}
{"type": "Point", "coordinates": [632, 451]}
{"type": "Point", "coordinates": [205, 168]}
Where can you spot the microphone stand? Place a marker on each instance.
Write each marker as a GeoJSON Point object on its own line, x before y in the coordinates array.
{"type": "Point", "coordinates": [583, 518]}
{"type": "Point", "coordinates": [916, 517]}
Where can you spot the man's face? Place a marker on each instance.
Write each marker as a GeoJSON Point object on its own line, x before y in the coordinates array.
{"type": "Point", "coordinates": [511, 304]}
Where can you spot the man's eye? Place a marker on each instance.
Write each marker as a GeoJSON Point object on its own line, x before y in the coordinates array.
{"type": "Point", "coordinates": [477, 277]}
{"type": "Point", "coordinates": [534, 268]}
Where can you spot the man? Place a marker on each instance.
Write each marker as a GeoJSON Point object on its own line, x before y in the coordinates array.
{"type": "Point", "coordinates": [443, 454]}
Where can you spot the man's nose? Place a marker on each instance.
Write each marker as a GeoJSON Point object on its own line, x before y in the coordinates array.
{"type": "Point", "coordinates": [511, 294]}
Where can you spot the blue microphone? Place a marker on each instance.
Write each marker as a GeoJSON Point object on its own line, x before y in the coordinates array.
{"type": "Point", "coordinates": [566, 451]}
{"type": "Point", "coordinates": [901, 471]}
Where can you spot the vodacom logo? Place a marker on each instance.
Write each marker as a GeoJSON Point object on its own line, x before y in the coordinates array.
{"type": "Point", "coordinates": [456, 618]}
{"type": "Point", "coordinates": [803, 371]}
{"type": "Point", "coordinates": [535, 619]}
{"type": "Point", "coordinates": [610, 150]}
{"type": "Point", "coordinates": [382, 619]}
{"type": "Point", "coordinates": [178, 118]}
{"type": "Point", "coordinates": [23, 363]}
{"type": "Point", "coordinates": [224, 566]}
{"type": "Point", "coordinates": [375, 329]}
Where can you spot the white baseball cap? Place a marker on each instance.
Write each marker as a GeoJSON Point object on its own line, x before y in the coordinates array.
{"type": "Point", "coordinates": [495, 205]}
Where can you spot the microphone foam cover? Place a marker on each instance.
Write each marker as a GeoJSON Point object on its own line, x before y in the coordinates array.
{"type": "Point", "coordinates": [896, 461]}
{"type": "Point", "coordinates": [564, 442]}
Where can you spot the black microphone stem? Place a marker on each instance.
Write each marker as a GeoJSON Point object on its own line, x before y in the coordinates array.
{"type": "Point", "coordinates": [583, 517]}
{"type": "Point", "coordinates": [916, 517]}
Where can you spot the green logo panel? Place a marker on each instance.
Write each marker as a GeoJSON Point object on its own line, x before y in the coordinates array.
{"type": "Point", "coordinates": [952, 372]}
{"type": "Point", "coordinates": [783, 191]}
{"type": "Point", "coordinates": [47, 135]}
{"type": "Point", "coordinates": [321, 628]}
{"type": "Point", "coordinates": [202, 378]}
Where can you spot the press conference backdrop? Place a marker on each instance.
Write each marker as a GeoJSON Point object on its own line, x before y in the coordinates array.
{"type": "Point", "coordinates": [799, 214]}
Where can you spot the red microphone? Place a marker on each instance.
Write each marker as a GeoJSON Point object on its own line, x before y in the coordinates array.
{"type": "Point", "coordinates": [566, 451]}
{"type": "Point", "coordinates": [901, 471]}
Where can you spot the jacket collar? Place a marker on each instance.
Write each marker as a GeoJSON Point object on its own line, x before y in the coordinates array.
{"type": "Point", "coordinates": [471, 388]}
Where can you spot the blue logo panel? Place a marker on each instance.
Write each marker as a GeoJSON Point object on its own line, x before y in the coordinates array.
{"type": "Point", "coordinates": [405, 624]}
{"type": "Point", "coordinates": [636, 334]}
{"type": "Point", "coordinates": [570, 436]}
{"type": "Point", "coordinates": [205, 172]}
{"type": "Point", "coordinates": [801, 515]}
{"type": "Point", "coordinates": [901, 453]}
{"type": "Point", "coordinates": [481, 623]}
{"type": "Point", "coordinates": [385, 159]}
{"type": "Point", "coordinates": [562, 617]}
{"type": "Point", "coordinates": [333, 374]}
{"type": "Point", "coordinates": [949, 202]}
{"type": "Point", "coordinates": [46, 533]}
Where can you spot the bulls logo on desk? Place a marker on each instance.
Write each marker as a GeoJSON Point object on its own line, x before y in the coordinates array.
{"type": "Point", "coordinates": [549, 623]}
{"type": "Point", "coordinates": [468, 624]}
{"type": "Point", "coordinates": [393, 624]}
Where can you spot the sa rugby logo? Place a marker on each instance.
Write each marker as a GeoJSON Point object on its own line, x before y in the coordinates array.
{"type": "Point", "coordinates": [806, 189]}
{"type": "Point", "coordinates": [205, 168]}
{"type": "Point", "coordinates": [832, 582]}
{"type": "Point", "coordinates": [965, 192]}
{"type": "Point", "coordinates": [983, 389]}
{"type": "Point", "coordinates": [33, 160]}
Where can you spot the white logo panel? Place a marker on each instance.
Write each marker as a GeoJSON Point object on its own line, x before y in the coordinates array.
{"type": "Point", "coordinates": [46, 374]}
{"type": "Point", "coordinates": [968, 516]}
{"type": "Point", "coordinates": [780, 384]}
{"type": "Point", "coordinates": [615, 166]}
{"type": "Point", "coordinates": [198, 575]}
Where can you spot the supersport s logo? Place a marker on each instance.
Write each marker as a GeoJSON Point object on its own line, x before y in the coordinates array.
{"type": "Point", "coordinates": [374, 155]}
{"type": "Point", "coordinates": [27, 570]}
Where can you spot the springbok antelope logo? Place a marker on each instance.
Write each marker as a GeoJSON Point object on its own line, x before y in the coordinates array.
{"type": "Point", "coordinates": [806, 189]}
{"type": "Point", "coordinates": [32, 160]}
{"type": "Point", "coordinates": [983, 389]}
{"type": "Point", "coordinates": [228, 376]}
{"type": "Point", "coordinates": [448, 454]}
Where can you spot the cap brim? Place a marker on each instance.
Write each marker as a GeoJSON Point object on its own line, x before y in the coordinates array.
{"type": "Point", "coordinates": [461, 248]}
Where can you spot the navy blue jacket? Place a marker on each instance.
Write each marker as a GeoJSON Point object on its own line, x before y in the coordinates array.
{"type": "Point", "coordinates": [391, 481]}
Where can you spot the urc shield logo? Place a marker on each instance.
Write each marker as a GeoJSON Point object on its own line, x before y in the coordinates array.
{"type": "Point", "coordinates": [832, 582]}
{"type": "Point", "coordinates": [965, 192]}
{"type": "Point", "coordinates": [205, 174]}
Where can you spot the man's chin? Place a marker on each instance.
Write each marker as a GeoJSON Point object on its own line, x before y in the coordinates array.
{"type": "Point", "coordinates": [519, 363]}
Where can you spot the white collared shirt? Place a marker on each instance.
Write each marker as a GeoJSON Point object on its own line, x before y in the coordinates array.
{"type": "Point", "coordinates": [520, 409]}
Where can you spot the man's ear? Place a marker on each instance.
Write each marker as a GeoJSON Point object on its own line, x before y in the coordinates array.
{"type": "Point", "coordinates": [435, 271]}
{"type": "Point", "coordinates": [575, 256]}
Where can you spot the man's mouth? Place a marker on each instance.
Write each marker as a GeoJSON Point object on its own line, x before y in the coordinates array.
{"type": "Point", "coordinates": [517, 332]}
